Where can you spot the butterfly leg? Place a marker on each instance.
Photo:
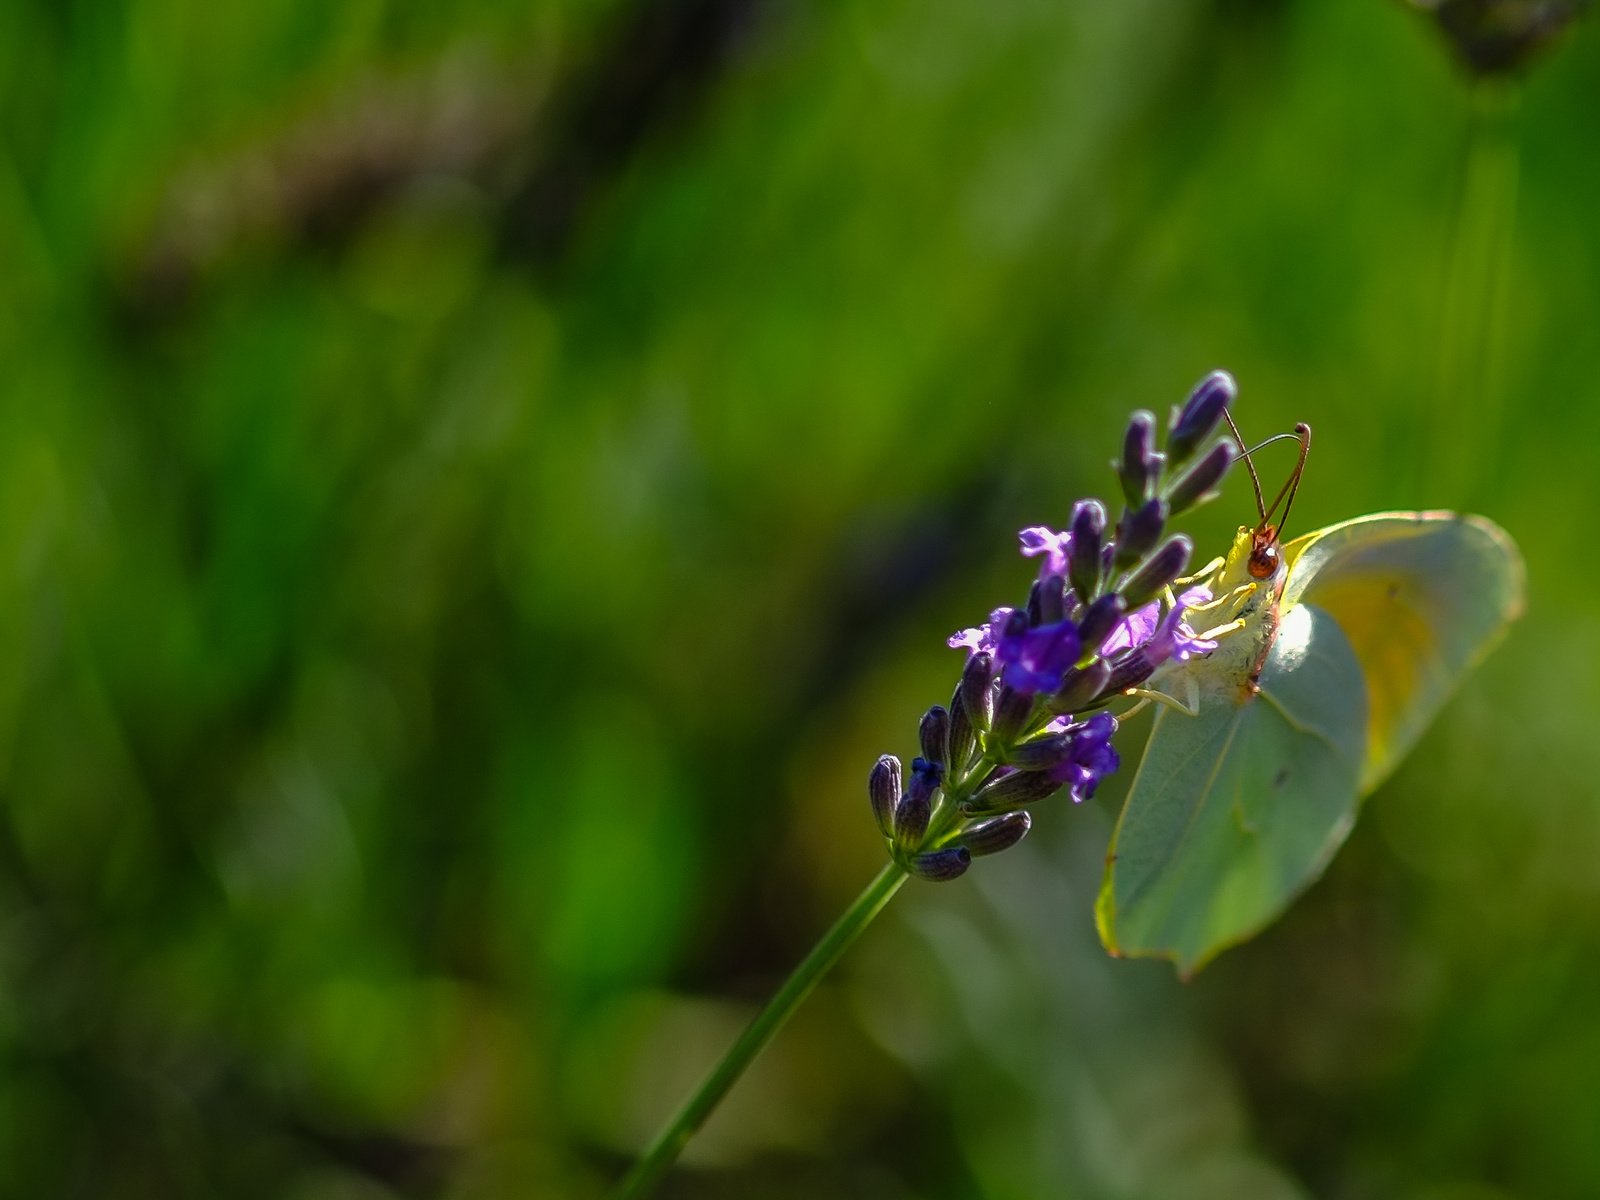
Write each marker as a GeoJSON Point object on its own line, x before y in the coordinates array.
{"type": "Point", "coordinates": [1190, 707]}
{"type": "Point", "coordinates": [1228, 600]}
{"type": "Point", "coordinates": [1234, 599]}
{"type": "Point", "coordinates": [1223, 630]}
{"type": "Point", "coordinates": [1204, 573]}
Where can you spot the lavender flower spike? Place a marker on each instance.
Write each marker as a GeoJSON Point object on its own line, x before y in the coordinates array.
{"type": "Point", "coordinates": [1033, 713]}
{"type": "Point", "coordinates": [1029, 716]}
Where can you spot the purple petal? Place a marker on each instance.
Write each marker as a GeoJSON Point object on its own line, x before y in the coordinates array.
{"type": "Point", "coordinates": [1056, 548]}
{"type": "Point", "coordinates": [1034, 660]}
{"type": "Point", "coordinates": [1092, 757]}
{"type": "Point", "coordinates": [980, 637]}
{"type": "Point", "coordinates": [1133, 630]}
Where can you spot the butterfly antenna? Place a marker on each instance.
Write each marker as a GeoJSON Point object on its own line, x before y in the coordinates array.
{"type": "Point", "coordinates": [1291, 485]}
{"type": "Point", "coordinates": [1277, 437]}
{"type": "Point", "coordinates": [1255, 480]}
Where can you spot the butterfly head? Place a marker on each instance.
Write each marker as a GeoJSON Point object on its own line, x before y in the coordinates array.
{"type": "Point", "coordinates": [1264, 559]}
{"type": "Point", "coordinates": [1266, 554]}
{"type": "Point", "coordinates": [1255, 561]}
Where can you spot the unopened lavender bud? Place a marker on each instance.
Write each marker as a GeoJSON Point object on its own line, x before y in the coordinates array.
{"type": "Point", "coordinates": [1195, 485]}
{"type": "Point", "coordinates": [1139, 531]}
{"type": "Point", "coordinates": [1013, 790]}
{"type": "Point", "coordinates": [911, 818]}
{"type": "Point", "coordinates": [925, 778]}
{"type": "Point", "coordinates": [1047, 601]}
{"type": "Point", "coordinates": [884, 787]}
{"type": "Point", "coordinates": [1130, 670]}
{"type": "Point", "coordinates": [941, 866]}
{"type": "Point", "coordinates": [997, 833]}
{"type": "Point", "coordinates": [1011, 713]}
{"type": "Point", "coordinates": [1041, 753]}
{"type": "Point", "coordinates": [1081, 687]}
{"type": "Point", "coordinates": [915, 809]}
{"type": "Point", "coordinates": [1496, 37]}
{"type": "Point", "coordinates": [1199, 416]}
{"type": "Point", "coordinates": [1140, 465]}
{"type": "Point", "coordinates": [1088, 533]}
{"type": "Point", "coordinates": [1100, 619]}
{"type": "Point", "coordinates": [1157, 571]}
{"type": "Point", "coordinates": [961, 739]}
{"type": "Point", "coordinates": [934, 733]}
{"type": "Point", "coordinates": [977, 701]}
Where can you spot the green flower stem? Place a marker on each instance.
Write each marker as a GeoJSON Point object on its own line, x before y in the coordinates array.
{"type": "Point", "coordinates": [1473, 348]}
{"type": "Point", "coordinates": [658, 1159]}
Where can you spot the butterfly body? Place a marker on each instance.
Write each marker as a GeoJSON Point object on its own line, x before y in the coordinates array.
{"type": "Point", "coordinates": [1338, 659]}
{"type": "Point", "coordinates": [1241, 657]}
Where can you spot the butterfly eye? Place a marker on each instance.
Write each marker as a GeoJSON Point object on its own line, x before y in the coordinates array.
{"type": "Point", "coordinates": [1264, 561]}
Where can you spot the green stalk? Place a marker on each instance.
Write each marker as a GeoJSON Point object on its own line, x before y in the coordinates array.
{"type": "Point", "coordinates": [664, 1151]}
{"type": "Point", "coordinates": [1472, 348]}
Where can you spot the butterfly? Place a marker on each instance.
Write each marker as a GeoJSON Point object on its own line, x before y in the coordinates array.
{"type": "Point", "coordinates": [1336, 651]}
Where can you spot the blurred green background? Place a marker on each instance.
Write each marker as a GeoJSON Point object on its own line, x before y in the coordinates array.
{"type": "Point", "coordinates": [479, 485]}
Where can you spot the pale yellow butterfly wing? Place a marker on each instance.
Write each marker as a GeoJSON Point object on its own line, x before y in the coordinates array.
{"type": "Point", "coordinates": [1421, 596]}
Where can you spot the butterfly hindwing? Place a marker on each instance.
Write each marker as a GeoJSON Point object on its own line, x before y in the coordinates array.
{"type": "Point", "coordinates": [1234, 811]}
{"type": "Point", "coordinates": [1421, 597]}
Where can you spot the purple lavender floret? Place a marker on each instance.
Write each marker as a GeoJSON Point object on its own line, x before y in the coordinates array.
{"type": "Point", "coordinates": [1161, 637]}
{"type": "Point", "coordinates": [1092, 758]}
{"type": "Point", "coordinates": [1056, 548]}
{"type": "Point", "coordinates": [1173, 639]}
{"type": "Point", "coordinates": [981, 638]}
{"type": "Point", "coordinates": [1034, 660]}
